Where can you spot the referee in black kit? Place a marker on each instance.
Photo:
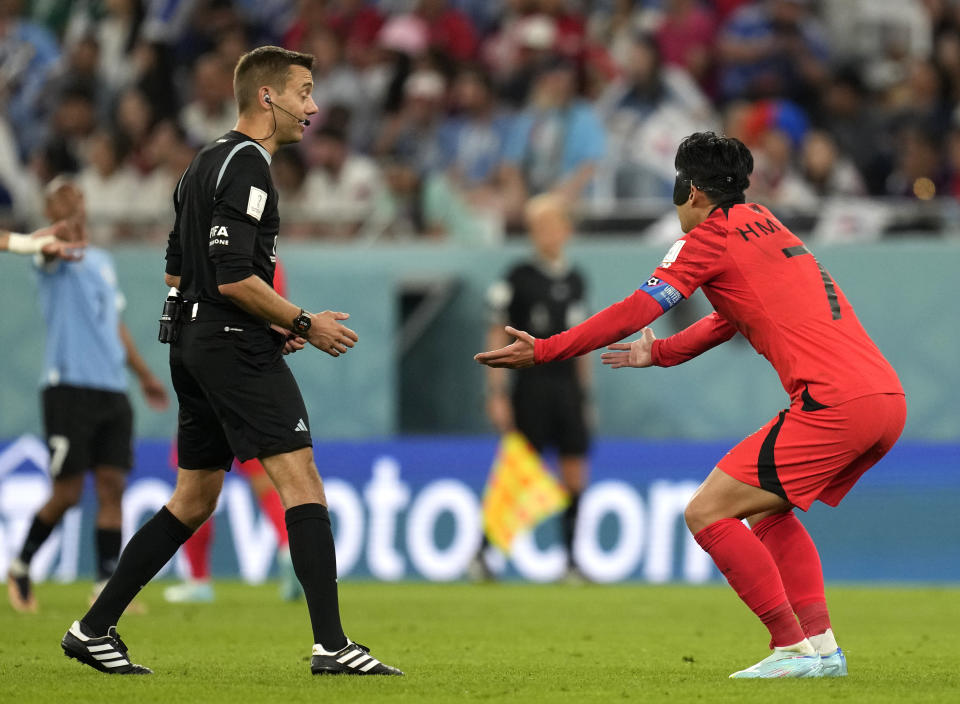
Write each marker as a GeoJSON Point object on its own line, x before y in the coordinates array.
{"type": "Point", "coordinates": [237, 396]}
{"type": "Point", "coordinates": [548, 404]}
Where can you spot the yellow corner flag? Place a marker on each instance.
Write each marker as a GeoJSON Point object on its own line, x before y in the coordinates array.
{"type": "Point", "coordinates": [520, 492]}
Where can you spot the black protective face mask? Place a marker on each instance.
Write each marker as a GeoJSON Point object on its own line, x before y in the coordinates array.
{"type": "Point", "coordinates": [681, 189]}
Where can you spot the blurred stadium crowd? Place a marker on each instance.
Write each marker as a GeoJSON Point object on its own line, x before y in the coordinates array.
{"type": "Point", "coordinates": [440, 117]}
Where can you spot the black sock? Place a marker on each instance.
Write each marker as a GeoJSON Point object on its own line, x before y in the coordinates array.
{"type": "Point", "coordinates": [108, 552]}
{"type": "Point", "coordinates": [570, 525]}
{"type": "Point", "coordinates": [315, 563]}
{"type": "Point", "coordinates": [36, 536]}
{"type": "Point", "coordinates": [148, 551]}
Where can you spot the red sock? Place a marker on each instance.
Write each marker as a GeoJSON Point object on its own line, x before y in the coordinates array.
{"type": "Point", "coordinates": [799, 563]}
{"type": "Point", "coordinates": [752, 573]}
{"type": "Point", "coordinates": [197, 550]}
{"type": "Point", "coordinates": [272, 506]}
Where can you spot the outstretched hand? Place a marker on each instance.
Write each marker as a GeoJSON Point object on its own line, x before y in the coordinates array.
{"type": "Point", "coordinates": [517, 355]}
{"type": "Point", "coordinates": [638, 353]}
{"type": "Point", "coordinates": [62, 240]}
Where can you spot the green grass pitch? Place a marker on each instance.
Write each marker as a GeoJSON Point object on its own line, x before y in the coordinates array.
{"type": "Point", "coordinates": [495, 643]}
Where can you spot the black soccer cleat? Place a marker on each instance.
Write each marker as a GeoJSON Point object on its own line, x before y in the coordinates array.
{"type": "Point", "coordinates": [105, 653]}
{"type": "Point", "coordinates": [352, 659]}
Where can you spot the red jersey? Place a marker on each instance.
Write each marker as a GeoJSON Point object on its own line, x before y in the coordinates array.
{"type": "Point", "coordinates": [763, 281]}
{"type": "Point", "coordinates": [280, 279]}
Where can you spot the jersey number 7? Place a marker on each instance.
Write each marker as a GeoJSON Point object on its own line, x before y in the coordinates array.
{"type": "Point", "coordinates": [828, 284]}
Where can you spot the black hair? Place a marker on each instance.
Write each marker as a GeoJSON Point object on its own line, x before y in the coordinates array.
{"type": "Point", "coordinates": [338, 116]}
{"type": "Point", "coordinates": [58, 157]}
{"type": "Point", "coordinates": [479, 73]}
{"type": "Point", "coordinates": [849, 75]}
{"type": "Point", "coordinates": [718, 166]}
{"type": "Point", "coordinates": [119, 144]}
{"type": "Point", "coordinates": [333, 131]}
{"type": "Point", "coordinates": [79, 89]}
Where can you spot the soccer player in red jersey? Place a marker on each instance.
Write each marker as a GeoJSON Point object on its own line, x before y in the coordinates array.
{"type": "Point", "coordinates": [847, 407]}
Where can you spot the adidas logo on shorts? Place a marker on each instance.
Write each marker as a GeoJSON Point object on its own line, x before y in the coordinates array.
{"type": "Point", "coordinates": [302, 427]}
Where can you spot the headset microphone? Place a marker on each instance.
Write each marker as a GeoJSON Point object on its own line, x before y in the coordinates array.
{"type": "Point", "coordinates": [303, 121]}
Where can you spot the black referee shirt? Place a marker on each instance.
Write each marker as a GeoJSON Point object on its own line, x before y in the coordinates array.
{"type": "Point", "coordinates": [226, 224]}
{"type": "Point", "coordinates": [542, 302]}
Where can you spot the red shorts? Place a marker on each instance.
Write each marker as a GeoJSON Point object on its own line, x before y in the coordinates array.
{"type": "Point", "coordinates": [820, 454]}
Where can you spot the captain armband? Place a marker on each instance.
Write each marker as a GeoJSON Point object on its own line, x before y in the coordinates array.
{"type": "Point", "coordinates": [662, 292]}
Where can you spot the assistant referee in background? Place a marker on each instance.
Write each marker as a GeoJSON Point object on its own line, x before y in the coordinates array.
{"type": "Point", "coordinates": [237, 396]}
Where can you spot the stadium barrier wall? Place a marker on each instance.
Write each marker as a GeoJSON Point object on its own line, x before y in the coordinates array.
{"type": "Point", "coordinates": [898, 288]}
{"type": "Point", "coordinates": [410, 509]}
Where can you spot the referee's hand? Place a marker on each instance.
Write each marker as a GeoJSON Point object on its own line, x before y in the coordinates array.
{"type": "Point", "coordinates": [328, 335]}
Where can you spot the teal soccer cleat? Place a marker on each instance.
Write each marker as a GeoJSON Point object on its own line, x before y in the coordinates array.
{"type": "Point", "coordinates": [783, 663]}
{"type": "Point", "coordinates": [834, 664]}
{"type": "Point", "coordinates": [189, 592]}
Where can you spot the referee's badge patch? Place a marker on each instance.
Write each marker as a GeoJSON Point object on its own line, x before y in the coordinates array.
{"type": "Point", "coordinates": [256, 202]}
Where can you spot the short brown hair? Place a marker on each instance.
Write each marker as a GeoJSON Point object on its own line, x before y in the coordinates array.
{"type": "Point", "coordinates": [265, 65]}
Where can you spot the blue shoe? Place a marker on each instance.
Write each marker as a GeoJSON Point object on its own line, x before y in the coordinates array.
{"type": "Point", "coordinates": [189, 593]}
{"type": "Point", "coordinates": [834, 664]}
{"type": "Point", "coordinates": [783, 663]}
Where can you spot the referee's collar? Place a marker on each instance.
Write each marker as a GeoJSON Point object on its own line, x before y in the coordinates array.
{"type": "Point", "coordinates": [233, 135]}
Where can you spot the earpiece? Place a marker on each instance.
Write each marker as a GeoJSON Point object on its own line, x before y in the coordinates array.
{"type": "Point", "coordinates": [302, 120]}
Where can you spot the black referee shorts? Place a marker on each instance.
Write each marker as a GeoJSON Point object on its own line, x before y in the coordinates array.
{"type": "Point", "coordinates": [87, 428]}
{"type": "Point", "coordinates": [237, 395]}
{"type": "Point", "coordinates": [551, 412]}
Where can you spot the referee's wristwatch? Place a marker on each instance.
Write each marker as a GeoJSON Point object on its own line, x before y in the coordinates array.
{"type": "Point", "coordinates": [301, 324]}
